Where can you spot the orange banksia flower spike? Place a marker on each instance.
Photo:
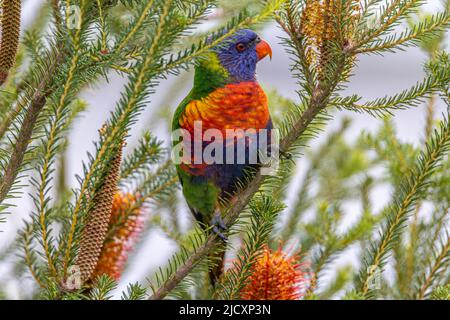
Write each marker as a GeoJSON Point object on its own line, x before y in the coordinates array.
{"type": "Point", "coordinates": [321, 24]}
{"type": "Point", "coordinates": [94, 233]}
{"type": "Point", "coordinates": [125, 226]}
{"type": "Point", "coordinates": [10, 32]}
{"type": "Point", "coordinates": [275, 276]}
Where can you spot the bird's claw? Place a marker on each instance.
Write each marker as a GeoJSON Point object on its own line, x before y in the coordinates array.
{"type": "Point", "coordinates": [219, 226]}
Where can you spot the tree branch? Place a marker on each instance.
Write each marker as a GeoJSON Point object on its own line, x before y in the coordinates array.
{"type": "Point", "coordinates": [24, 136]}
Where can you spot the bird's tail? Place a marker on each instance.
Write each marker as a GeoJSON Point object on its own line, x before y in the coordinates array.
{"type": "Point", "coordinates": [217, 264]}
{"type": "Point", "coordinates": [217, 257]}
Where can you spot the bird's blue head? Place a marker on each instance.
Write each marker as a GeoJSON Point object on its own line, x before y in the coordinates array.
{"type": "Point", "coordinates": [240, 53]}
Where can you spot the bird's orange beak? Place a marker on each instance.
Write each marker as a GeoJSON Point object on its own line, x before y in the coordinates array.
{"type": "Point", "coordinates": [263, 49]}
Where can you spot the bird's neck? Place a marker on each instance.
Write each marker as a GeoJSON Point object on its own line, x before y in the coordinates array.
{"type": "Point", "coordinates": [209, 76]}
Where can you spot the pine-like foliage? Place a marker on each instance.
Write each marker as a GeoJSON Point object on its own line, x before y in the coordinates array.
{"type": "Point", "coordinates": [76, 240]}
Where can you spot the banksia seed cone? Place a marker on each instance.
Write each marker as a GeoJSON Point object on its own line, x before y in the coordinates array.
{"type": "Point", "coordinates": [96, 228]}
{"type": "Point", "coordinates": [10, 31]}
{"type": "Point", "coordinates": [275, 276]}
{"type": "Point", "coordinates": [125, 227]}
{"type": "Point", "coordinates": [321, 24]}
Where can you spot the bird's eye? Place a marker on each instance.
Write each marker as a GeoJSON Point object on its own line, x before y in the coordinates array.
{"type": "Point", "coordinates": [240, 47]}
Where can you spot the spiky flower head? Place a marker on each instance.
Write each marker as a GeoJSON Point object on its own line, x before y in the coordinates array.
{"type": "Point", "coordinates": [324, 22]}
{"type": "Point", "coordinates": [125, 226]}
{"type": "Point", "coordinates": [275, 276]}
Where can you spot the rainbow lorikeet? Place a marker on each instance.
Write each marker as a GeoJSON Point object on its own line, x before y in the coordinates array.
{"type": "Point", "coordinates": [225, 95]}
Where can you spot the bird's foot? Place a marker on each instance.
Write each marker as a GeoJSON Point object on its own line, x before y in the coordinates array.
{"type": "Point", "coordinates": [218, 226]}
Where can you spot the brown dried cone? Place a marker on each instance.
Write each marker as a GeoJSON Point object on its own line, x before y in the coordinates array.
{"type": "Point", "coordinates": [10, 31]}
{"type": "Point", "coordinates": [94, 232]}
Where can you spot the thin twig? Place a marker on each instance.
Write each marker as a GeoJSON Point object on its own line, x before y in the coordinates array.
{"type": "Point", "coordinates": [24, 136]}
{"type": "Point", "coordinates": [440, 260]}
